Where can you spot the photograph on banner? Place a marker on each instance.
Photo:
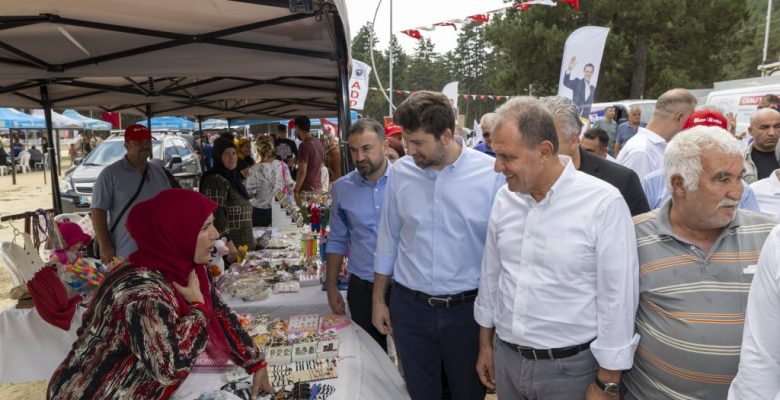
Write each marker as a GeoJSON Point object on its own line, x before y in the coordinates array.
{"type": "Point", "coordinates": [580, 66]}
{"type": "Point", "coordinates": [358, 85]}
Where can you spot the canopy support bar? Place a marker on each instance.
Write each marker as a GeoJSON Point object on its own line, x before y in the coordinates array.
{"type": "Point", "coordinates": [55, 183]}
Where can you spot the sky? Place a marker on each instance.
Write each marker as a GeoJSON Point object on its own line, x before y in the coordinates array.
{"type": "Point", "coordinates": [410, 14]}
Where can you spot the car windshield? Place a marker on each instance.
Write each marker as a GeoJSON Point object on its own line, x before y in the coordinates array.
{"type": "Point", "coordinates": [110, 152]}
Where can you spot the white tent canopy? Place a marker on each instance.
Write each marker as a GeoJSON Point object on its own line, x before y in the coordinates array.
{"type": "Point", "coordinates": [59, 121]}
{"type": "Point", "coordinates": [205, 58]}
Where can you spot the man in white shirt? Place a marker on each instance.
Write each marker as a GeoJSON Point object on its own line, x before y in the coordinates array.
{"type": "Point", "coordinates": [767, 192]}
{"type": "Point", "coordinates": [644, 152]}
{"type": "Point", "coordinates": [559, 284]}
{"type": "Point", "coordinates": [759, 369]}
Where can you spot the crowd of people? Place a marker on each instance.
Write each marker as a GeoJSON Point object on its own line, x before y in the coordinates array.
{"type": "Point", "coordinates": [533, 264]}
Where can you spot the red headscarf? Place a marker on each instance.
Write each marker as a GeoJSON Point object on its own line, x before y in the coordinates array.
{"type": "Point", "coordinates": [166, 229]}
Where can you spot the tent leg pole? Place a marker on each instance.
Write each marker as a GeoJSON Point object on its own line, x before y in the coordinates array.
{"type": "Point", "coordinates": [149, 116]}
{"type": "Point", "coordinates": [343, 98]}
{"type": "Point", "coordinates": [55, 184]}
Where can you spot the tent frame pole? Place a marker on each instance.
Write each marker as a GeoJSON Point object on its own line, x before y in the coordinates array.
{"type": "Point", "coordinates": [55, 183]}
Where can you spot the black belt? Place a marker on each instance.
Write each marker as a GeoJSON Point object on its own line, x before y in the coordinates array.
{"type": "Point", "coordinates": [443, 301]}
{"type": "Point", "coordinates": [547, 354]}
{"type": "Point", "coordinates": [361, 282]}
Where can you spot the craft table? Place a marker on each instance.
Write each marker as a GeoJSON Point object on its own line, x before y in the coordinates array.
{"type": "Point", "coordinates": [364, 372]}
{"type": "Point", "coordinates": [309, 300]}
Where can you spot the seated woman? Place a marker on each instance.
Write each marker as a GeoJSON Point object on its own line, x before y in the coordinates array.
{"type": "Point", "coordinates": [223, 183]}
{"type": "Point", "coordinates": [265, 178]}
{"type": "Point", "coordinates": [153, 316]}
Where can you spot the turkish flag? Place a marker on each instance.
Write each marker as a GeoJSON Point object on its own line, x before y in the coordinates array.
{"type": "Point", "coordinates": [481, 18]}
{"type": "Point", "coordinates": [573, 3]}
{"type": "Point", "coordinates": [412, 33]}
{"type": "Point", "coordinates": [452, 24]}
{"type": "Point", "coordinates": [329, 128]}
{"type": "Point", "coordinates": [113, 118]}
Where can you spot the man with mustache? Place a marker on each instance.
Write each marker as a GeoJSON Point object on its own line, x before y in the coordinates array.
{"type": "Point", "coordinates": [354, 219]}
{"type": "Point", "coordinates": [431, 238]}
{"type": "Point", "coordinates": [697, 256]}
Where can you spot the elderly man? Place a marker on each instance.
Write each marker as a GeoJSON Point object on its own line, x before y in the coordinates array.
{"type": "Point", "coordinates": [697, 256]}
{"type": "Point", "coordinates": [559, 296]}
{"type": "Point", "coordinates": [567, 126]}
{"type": "Point", "coordinates": [609, 125]}
{"type": "Point", "coordinates": [431, 238]}
{"type": "Point", "coordinates": [486, 125]}
{"type": "Point", "coordinates": [627, 129]}
{"type": "Point", "coordinates": [654, 184]}
{"type": "Point", "coordinates": [644, 153]}
{"type": "Point", "coordinates": [758, 373]}
{"type": "Point", "coordinates": [354, 219]}
{"type": "Point", "coordinates": [762, 155]}
{"type": "Point", "coordinates": [121, 185]}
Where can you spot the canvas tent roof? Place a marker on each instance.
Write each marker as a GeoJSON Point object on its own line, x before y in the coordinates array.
{"type": "Point", "coordinates": [89, 123]}
{"type": "Point", "coordinates": [11, 118]}
{"type": "Point", "coordinates": [222, 59]}
{"type": "Point", "coordinates": [58, 120]}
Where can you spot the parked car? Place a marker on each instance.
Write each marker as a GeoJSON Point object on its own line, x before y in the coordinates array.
{"type": "Point", "coordinates": [175, 152]}
{"type": "Point", "coordinates": [621, 110]}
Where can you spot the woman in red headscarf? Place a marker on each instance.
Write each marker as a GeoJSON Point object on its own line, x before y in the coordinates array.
{"type": "Point", "coordinates": [153, 316]}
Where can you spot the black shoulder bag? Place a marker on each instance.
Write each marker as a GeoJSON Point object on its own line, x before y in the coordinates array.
{"type": "Point", "coordinates": [93, 248]}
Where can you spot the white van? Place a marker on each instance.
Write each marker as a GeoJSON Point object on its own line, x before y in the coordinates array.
{"type": "Point", "coordinates": [743, 102]}
{"type": "Point", "coordinates": [621, 110]}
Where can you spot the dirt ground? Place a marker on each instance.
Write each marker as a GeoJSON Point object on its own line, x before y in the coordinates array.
{"type": "Point", "coordinates": [29, 194]}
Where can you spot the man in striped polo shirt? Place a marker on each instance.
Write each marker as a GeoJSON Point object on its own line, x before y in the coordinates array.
{"type": "Point", "coordinates": [697, 255]}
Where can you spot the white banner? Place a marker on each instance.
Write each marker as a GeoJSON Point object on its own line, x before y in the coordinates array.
{"type": "Point", "coordinates": [478, 138]}
{"type": "Point", "coordinates": [580, 67]}
{"type": "Point", "coordinates": [451, 91]}
{"type": "Point", "coordinates": [358, 85]}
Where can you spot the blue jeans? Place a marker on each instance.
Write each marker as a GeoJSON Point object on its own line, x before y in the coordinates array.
{"type": "Point", "coordinates": [429, 338]}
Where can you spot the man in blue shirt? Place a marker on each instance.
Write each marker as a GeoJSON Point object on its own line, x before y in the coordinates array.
{"type": "Point", "coordinates": [627, 129]}
{"type": "Point", "coordinates": [354, 219]}
{"type": "Point", "coordinates": [430, 240]}
{"type": "Point", "coordinates": [486, 125]}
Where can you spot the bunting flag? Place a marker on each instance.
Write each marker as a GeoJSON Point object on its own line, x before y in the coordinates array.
{"type": "Point", "coordinates": [481, 18]}
{"type": "Point", "coordinates": [525, 5]}
{"type": "Point", "coordinates": [414, 33]}
{"type": "Point", "coordinates": [450, 23]}
{"type": "Point", "coordinates": [485, 17]}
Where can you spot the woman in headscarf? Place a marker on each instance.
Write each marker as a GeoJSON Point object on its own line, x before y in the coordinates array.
{"type": "Point", "coordinates": [224, 184]}
{"type": "Point", "coordinates": [265, 178]}
{"type": "Point", "coordinates": [156, 313]}
{"type": "Point", "coordinates": [245, 160]}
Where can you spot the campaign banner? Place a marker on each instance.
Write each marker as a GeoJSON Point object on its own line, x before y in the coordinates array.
{"type": "Point", "coordinates": [580, 67]}
{"type": "Point", "coordinates": [451, 91]}
{"type": "Point", "coordinates": [358, 85]}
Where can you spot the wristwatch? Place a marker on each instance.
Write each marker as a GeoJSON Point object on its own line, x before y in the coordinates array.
{"type": "Point", "coordinates": [610, 389]}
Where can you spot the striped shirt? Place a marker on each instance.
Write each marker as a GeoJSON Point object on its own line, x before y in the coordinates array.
{"type": "Point", "coordinates": [692, 306]}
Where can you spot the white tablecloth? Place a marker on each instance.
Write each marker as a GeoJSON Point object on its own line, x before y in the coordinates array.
{"type": "Point", "coordinates": [364, 372]}
{"type": "Point", "coordinates": [30, 348]}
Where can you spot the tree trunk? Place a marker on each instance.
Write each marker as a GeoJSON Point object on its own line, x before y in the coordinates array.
{"type": "Point", "coordinates": [639, 77]}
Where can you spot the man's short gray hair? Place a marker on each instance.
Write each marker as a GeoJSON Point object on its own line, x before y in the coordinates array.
{"type": "Point", "coordinates": [683, 154]}
{"type": "Point", "coordinates": [565, 112]}
{"type": "Point", "coordinates": [488, 122]}
{"type": "Point", "coordinates": [531, 118]}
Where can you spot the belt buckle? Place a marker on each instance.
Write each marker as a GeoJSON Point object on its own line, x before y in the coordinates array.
{"type": "Point", "coordinates": [446, 301]}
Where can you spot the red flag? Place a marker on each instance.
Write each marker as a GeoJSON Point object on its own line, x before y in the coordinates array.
{"type": "Point", "coordinates": [498, 98]}
{"type": "Point", "coordinates": [412, 33]}
{"type": "Point", "coordinates": [482, 97]}
{"type": "Point", "coordinates": [113, 118]}
{"type": "Point", "coordinates": [465, 97]}
{"type": "Point", "coordinates": [481, 18]}
{"type": "Point", "coordinates": [574, 3]}
{"type": "Point", "coordinates": [329, 128]}
{"type": "Point", "coordinates": [452, 24]}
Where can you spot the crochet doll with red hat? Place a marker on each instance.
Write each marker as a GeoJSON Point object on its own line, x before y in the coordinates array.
{"type": "Point", "coordinates": [75, 239]}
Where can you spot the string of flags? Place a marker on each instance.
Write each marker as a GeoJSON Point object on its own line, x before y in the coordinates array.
{"type": "Point", "coordinates": [480, 97]}
{"type": "Point", "coordinates": [416, 33]}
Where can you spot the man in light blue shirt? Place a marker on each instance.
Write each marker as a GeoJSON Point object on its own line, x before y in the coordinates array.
{"type": "Point", "coordinates": [431, 237]}
{"type": "Point", "coordinates": [354, 219]}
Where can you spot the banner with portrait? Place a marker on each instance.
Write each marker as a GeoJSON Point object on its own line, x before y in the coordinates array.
{"type": "Point", "coordinates": [581, 64]}
{"type": "Point", "coordinates": [358, 85]}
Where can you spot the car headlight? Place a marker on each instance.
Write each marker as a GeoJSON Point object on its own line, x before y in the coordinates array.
{"type": "Point", "coordinates": [65, 185]}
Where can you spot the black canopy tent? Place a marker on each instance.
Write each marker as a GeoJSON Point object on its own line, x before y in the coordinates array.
{"type": "Point", "coordinates": [201, 58]}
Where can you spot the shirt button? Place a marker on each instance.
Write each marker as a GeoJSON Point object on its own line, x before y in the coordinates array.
{"type": "Point", "coordinates": [693, 247]}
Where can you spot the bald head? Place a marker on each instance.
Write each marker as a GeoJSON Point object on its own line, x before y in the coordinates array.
{"type": "Point", "coordinates": [765, 129]}
{"type": "Point", "coordinates": [671, 110]}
